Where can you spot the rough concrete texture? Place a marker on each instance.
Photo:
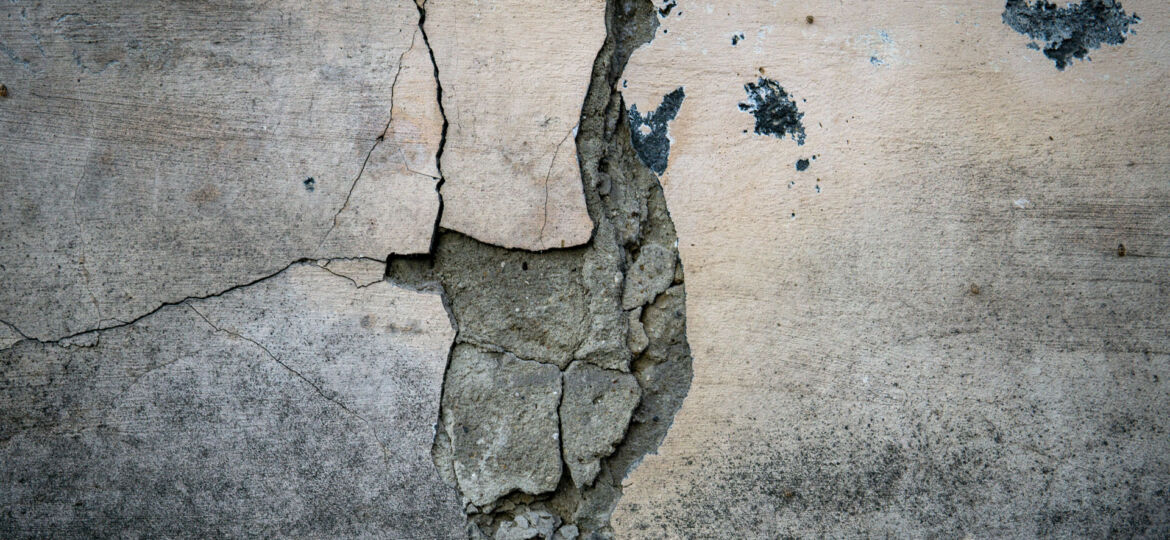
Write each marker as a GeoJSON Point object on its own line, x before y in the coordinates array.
{"type": "Point", "coordinates": [954, 323]}
{"type": "Point", "coordinates": [514, 76]}
{"type": "Point", "coordinates": [500, 414]}
{"type": "Point", "coordinates": [155, 151]}
{"type": "Point", "coordinates": [596, 409]}
{"type": "Point", "coordinates": [650, 275]}
{"type": "Point", "coordinates": [300, 406]}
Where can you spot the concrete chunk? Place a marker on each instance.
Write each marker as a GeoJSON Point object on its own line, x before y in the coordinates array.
{"type": "Point", "coordinates": [501, 418]}
{"type": "Point", "coordinates": [597, 408]}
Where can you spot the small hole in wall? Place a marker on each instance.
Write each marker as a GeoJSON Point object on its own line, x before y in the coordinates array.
{"type": "Point", "coordinates": [524, 265]}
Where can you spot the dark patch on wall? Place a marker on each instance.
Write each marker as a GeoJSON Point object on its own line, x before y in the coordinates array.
{"type": "Point", "coordinates": [802, 164]}
{"type": "Point", "coordinates": [665, 9]}
{"type": "Point", "coordinates": [310, 184]}
{"type": "Point", "coordinates": [736, 38]}
{"type": "Point", "coordinates": [1069, 32]}
{"type": "Point", "coordinates": [648, 133]}
{"type": "Point", "coordinates": [775, 112]}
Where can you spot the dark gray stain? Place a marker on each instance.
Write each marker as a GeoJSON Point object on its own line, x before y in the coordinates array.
{"type": "Point", "coordinates": [802, 164]}
{"type": "Point", "coordinates": [648, 133]}
{"type": "Point", "coordinates": [1069, 32]}
{"type": "Point", "coordinates": [736, 38]}
{"type": "Point", "coordinates": [310, 184]}
{"type": "Point", "coordinates": [666, 7]}
{"type": "Point", "coordinates": [775, 112]}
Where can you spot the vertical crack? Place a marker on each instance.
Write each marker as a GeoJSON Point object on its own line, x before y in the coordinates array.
{"type": "Point", "coordinates": [422, 19]}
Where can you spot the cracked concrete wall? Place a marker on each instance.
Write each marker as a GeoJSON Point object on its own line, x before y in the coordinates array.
{"type": "Point", "coordinates": [407, 269]}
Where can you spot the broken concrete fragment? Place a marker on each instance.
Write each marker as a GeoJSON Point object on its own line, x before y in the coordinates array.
{"type": "Point", "coordinates": [262, 411]}
{"type": "Point", "coordinates": [500, 414]}
{"type": "Point", "coordinates": [605, 341]}
{"type": "Point", "coordinates": [532, 306]}
{"type": "Point", "coordinates": [651, 273]}
{"type": "Point", "coordinates": [529, 525]}
{"type": "Point", "coordinates": [567, 532]}
{"type": "Point", "coordinates": [636, 339]}
{"type": "Point", "coordinates": [596, 410]}
{"type": "Point", "coordinates": [514, 76]}
{"type": "Point", "coordinates": [155, 151]}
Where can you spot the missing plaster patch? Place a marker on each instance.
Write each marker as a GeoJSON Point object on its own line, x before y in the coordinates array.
{"type": "Point", "coordinates": [1069, 32]}
{"type": "Point", "coordinates": [649, 133]}
{"type": "Point", "coordinates": [568, 364]}
{"type": "Point", "coordinates": [776, 113]}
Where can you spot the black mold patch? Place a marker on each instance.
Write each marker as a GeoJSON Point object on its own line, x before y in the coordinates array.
{"type": "Point", "coordinates": [736, 38]}
{"type": "Point", "coordinates": [310, 184]}
{"type": "Point", "coordinates": [775, 112]}
{"type": "Point", "coordinates": [1069, 32]}
{"type": "Point", "coordinates": [648, 133]}
{"type": "Point", "coordinates": [801, 164]}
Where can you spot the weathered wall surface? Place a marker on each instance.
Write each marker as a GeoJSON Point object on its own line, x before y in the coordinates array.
{"type": "Point", "coordinates": [954, 321]}
{"type": "Point", "coordinates": [406, 269]}
{"type": "Point", "coordinates": [300, 406]}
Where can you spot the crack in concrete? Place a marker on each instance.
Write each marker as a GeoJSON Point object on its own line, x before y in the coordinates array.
{"type": "Point", "coordinates": [377, 142]}
{"type": "Point", "coordinates": [563, 307]}
{"type": "Point", "coordinates": [316, 388]}
{"type": "Point", "coordinates": [67, 339]}
{"type": "Point", "coordinates": [551, 163]}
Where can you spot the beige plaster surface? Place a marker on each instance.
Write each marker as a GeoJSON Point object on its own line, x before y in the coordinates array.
{"type": "Point", "coordinates": [514, 76]}
{"type": "Point", "coordinates": [930, 331]}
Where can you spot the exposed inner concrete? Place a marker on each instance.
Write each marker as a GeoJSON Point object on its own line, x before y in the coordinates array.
{"type": "Point", "coordinates": [569, 364]}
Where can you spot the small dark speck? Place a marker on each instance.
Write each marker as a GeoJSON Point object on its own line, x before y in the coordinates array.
{"type": "Point", "coordinates": [310, 184]}
{"type": "Point", "coordinates": [3, 91]}
{"type": "Point", "coordinates": [524, 265]}
{"type": "Point", "coordinates": [1050, 137]}
{"type": "Point", "coordinates": [1120, 250]}
{"type": "Point", "coordinates": [974, 290]}
{"type": "Point", "coordinates": [655, 418]}
{"type": "Point", "coordinates": [801, 164]}
{"type": "Point", "coordinates": [810, 19]}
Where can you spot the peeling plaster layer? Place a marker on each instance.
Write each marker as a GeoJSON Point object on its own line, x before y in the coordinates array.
{"type": "Point", "coordinates": [954, 322]}
{"type": "Point", "coordinates": [307, 403]}
{"type": "Point", "coordinates": [514, 76]}
{"type": "Point", "coordinates": [159, 150]}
